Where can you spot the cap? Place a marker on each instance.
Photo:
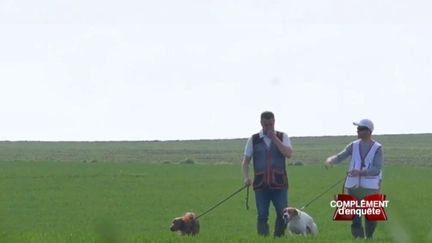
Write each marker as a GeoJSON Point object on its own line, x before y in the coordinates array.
{"type": "Point", "coordinates": [365, 123]}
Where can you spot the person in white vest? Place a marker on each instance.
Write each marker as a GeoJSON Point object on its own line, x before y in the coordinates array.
{"type": "Point", "coordinates": [364, 174]}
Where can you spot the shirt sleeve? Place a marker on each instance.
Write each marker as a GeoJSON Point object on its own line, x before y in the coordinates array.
{"type": "Point", "coordinates": [344, 154]}
{"type": "Point", "coordinates": [377, 164]}
{"type": "Point", "coordinates": [286, 140]}
{"type": "Point", "coordinates": [248, 151]}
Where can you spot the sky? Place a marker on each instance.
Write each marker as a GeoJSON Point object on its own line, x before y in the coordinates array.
{"type": "Point", "coordinates": [168, 70]}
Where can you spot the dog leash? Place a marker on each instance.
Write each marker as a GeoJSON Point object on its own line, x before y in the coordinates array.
{"type": "Point", "coordinates": [224, 200]}
{"type": "Point", "coordinates": [320, 195]}
{"type": "Point", "coordinates": [247, 198]}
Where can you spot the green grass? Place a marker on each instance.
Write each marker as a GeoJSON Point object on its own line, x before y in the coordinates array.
{"type": "Point", "coordinates": [398, 149]}
{"type": "Point", "coordinates": [65, 197]}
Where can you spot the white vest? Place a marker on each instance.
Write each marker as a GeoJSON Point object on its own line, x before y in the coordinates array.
{"type": "Point", "coordinates": [371, 182]}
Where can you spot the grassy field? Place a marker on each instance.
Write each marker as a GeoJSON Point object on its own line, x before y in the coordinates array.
{"type": "Point", "coordinates": [130, 191]}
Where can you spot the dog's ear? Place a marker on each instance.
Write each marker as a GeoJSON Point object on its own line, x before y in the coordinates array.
{"type": "Point", "coordinates": [292, 211]}
{"type": "Point", "coordinates": [182, 223]}
{"type": "Point", "coordinates": [176, 224]}
{"type": "Point", "coordinates": [179, 223]}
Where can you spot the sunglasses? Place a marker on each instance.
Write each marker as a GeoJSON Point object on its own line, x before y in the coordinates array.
{"type": "Point", "coordinates": [362, 128]}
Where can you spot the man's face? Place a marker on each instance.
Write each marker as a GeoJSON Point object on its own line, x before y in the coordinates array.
{"type": "Point", "coordinates": [363, 132]}
{"type": "Point", "coordinates": [267, 125]}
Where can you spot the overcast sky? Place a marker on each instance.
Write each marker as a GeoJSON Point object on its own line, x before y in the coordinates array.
{"type": "Point", "coordinates": [144, 70]}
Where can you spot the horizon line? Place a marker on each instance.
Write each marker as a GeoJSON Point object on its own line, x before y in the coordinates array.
{"type": "Point", "coordinates": [198, 139]}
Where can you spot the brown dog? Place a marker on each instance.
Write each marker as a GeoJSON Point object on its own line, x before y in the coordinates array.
{"type": "Point", "coordinates": [187, 225]}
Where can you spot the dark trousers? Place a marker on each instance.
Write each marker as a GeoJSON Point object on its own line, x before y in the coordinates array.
{"type": "Point", "coordinates": [357, 229]}
{"type": "Point", "coordinates": [279, 198]}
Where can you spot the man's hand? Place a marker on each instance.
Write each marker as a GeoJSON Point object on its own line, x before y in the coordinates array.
{"type": "Point", "coordinates": [284, 149]}
{"type": "Point", "coordinates": [271, 134]}
{"type": "Point", "coordinates": [248, 182]}
{"type": "Point", "coordinates": [354, 172]}
{"type": "Point", "coordinates": [329, 162]}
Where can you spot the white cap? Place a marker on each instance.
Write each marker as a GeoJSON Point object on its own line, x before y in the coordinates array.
{"type": "Point", "coordinates": [365, 123]}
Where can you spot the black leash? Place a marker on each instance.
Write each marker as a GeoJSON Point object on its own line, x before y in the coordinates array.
{"type": "Point", "coordinates": [320, 195]}
{"type": "Point", "coordinates": [224, 200]}
{"type": "Point", "coordinates": [247, 198]}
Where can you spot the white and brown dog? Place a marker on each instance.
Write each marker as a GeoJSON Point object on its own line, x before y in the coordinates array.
{"type": "Point", "coordinates": [299, 222]}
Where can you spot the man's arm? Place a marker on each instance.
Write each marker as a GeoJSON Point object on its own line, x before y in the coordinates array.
{"type": "Point", "coordinates": [338, 158]}
{"type": "Point", "coordinates": [284, 148]}
{"type": "Point", "coordinates": [248, 151]}
{"type": "Point", "coordinates": [245, 165]}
